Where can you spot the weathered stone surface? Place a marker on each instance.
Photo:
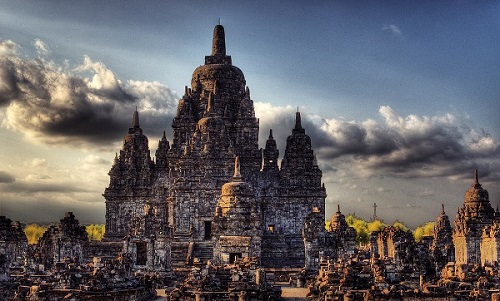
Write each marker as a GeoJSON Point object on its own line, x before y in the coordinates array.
{"type": "Point", "coordinates": [131, 179]}
{"type": "Point", "coordinates": [472, 218]}
{"type": "Point", "coordinates": [242, 280]}
{"type": "Point", "coordinates": [400, 256]}
{"type": "Point", "coordinates": [339, 241]}
{"type": "Point", "coordinates": [148, 244]}
{"type": "Point", "coordinates": [215, 122]}
{"type": "Point", "coordinates": [442, 248]}
{"type": "Point", "coordinates": [64, 242]}
{"type": "Point", "coordinates": [236, 227]}
{"type": "Point", "coordinates": [13, 246]}
{"type": "Point", "coordinates": [342, 237]}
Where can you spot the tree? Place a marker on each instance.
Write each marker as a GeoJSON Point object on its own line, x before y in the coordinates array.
{"type": "Point", "coordinates": [426, 229]}
{"type": "Point", "coordinates": [95, 231]}
{"type": "Point", "coordinates": [376, 225]}
{"type": "Point", "coordinates": [363, 228]}
{"type": "Point", "coordinates": [400, 226]}
{"type": "Point", "coordinates": [33, 233]}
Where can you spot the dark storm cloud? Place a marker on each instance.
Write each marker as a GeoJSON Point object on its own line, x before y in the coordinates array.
{"type": "Point", "coordinates": [86, 105]}
{"type": "Point", "coordinates": [32, 188]}
{"type": "Point", "coordinates": [45, 210]}
{"type": "Point", "coordinates": [8, 87]}
{"type": "Point", "coordinates": [412, 146]}
{"type": "Point", "coordinates": [6, 177]}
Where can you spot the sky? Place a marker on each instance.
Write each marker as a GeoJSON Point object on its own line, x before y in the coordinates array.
{"type": "Point", "coordinates": [401, 98]}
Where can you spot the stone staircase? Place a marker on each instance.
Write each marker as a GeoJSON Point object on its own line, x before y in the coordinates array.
{"type": "Point", "coordinates": [203, 251]}
{"type": "Point", "coordinates": [281, 250]}
{"type": "Point", "coordinates": [184, 252]}
{"type": "Point", "coordinates": [179, 254]}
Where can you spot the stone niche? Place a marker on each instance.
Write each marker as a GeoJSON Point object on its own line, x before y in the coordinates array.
{"type": "Point", "coordinates": [234, 247]}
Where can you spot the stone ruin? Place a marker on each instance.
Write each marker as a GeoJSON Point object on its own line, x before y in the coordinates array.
{"type": "Point", "coordinates": [148, 244]}
{"type": "Point", "coordinates": [442, 249]}
{"type": "Point", "coordinates": [13, 247]}
{"type": "Point", "coordinates": [212, 214]}
{"type": "Point", "coordinates": [459, 263]}
{"type": "Point", "coordinates": [62, 266]}
{"type": "Point", "coordinates": [338, 241]}
{"type": "Point", "coordinates": [214, 124]}
{"type": "Point", "coordinates": [475, 234]}
{"type": "Point", "coordinates": [64, 242]}
{"type": "Point", "coordinates": [403, 257]}
{"type": "Point", "coordinates": [243, 280]}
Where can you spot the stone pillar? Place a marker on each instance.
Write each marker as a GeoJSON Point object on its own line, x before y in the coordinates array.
{"type": "Point", "coordinates": [242, 296]}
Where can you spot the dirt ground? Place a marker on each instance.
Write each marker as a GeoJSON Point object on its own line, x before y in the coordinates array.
{"type": "Point", "coordinates": [293, 293]}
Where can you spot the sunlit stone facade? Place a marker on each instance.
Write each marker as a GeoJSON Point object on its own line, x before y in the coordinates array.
{"type": "Point", "coordinates": [473, 220]}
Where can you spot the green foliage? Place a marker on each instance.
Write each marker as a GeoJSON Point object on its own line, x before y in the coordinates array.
{"type": "Point", "coordinates": [400, 226]}
{"type": "Point", "coordinates": [33, 233]}
{"type": "Point", "coordinates": [95, 231]}
{"type": "Point", "coordinates": [363, 228]}
{"type": "Point", "coordinates": [327, 225]}
{"type": "Point", "coordinates": [426, 229]}
{"type": "Point", "coordinates": [376, 225]}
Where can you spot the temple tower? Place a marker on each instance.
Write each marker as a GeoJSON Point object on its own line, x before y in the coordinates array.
{"type": "Point", "coordinates": [131, 179]}
{"type": "Point", "coordinates": [442, 248]}
{"type": "Point", "coordinates": [341, 238]}
{"type": "Point", "coordinates": [215, 123]}
{"type": "Point", "coordinates": [299, 191]}
{"type": "Point", "coordinates": [475, 214]}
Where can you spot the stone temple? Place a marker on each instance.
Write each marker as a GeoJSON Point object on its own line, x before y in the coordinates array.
{"type": "Point", "coordinates": [211, 189]}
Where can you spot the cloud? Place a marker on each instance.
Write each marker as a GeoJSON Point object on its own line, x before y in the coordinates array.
{"type": "Point", "coordinates": [398, 146]}
{"type": "Point", "coordinates": [281, 119]}
{"type": "Point", "coordinates": [84, 107]}
{"type": "Point", "coordinates": [391, 28]}
{"type": "Point", "coordinates": [32, 187]}
{"type": "Point", "coordinates": [426, 193]}
{"type": "Point", "coordinates": [403, 206]}
{"type": "Point", "coordinates": [95, 160]}
{"type": "Point", "coordinates": [412, 146]}
{"type": "Point", "coordinates": [41, 48]}
{"type": "Point", "coordinates": [6, 178]}
{"type": "Point", "coordinates": [36, 163]}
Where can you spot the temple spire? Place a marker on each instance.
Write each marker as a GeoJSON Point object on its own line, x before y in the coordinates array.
{"type": "Point", "coordinates": [442, 208]}
{"type": "Point", "coordinates": [219, 41]}
{"type": "Point", "coordinates": [338, 208]}
{"type": "Point", "coordinates": [476, 177]}
{"type": "Point", "coordinates": [271, 134]}
{"type": "Point", "coordinates": [135, 119]}
{"type": "Point", "coordinates": [298, 122]}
